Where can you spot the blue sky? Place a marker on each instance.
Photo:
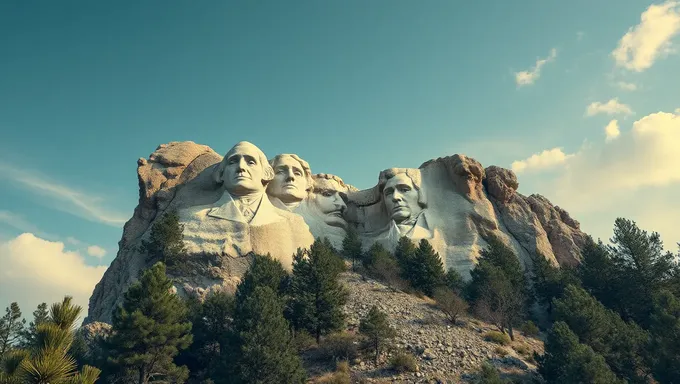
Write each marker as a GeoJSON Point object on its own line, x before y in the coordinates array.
{"type": "Point", "coordinates": [86, 88]}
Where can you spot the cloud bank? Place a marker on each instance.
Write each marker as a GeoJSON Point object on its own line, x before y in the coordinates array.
{"type": "Point", "coordinates": [35, 270]}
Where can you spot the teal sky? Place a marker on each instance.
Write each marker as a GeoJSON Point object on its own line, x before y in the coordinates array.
{"type": "Point", "coordinates": [353, 87]}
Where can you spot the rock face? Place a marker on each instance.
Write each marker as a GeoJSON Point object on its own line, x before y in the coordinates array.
{"type": "Point", "coordinates": [242, 203]}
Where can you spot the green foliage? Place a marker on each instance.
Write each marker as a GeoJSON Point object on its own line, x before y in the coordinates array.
{"type": "Point", "coordinates": [339, 346]}
{"type": "Point", "coordinates": [382, 265]}
{"type": "Point", "coordinates": [40, 315]}
{"type": "Point", "coordinates": [375, 327]}
{"type": "Point", "coordinates": [264, 272]}
{"type": "Point", "coordinates": [403, 361]}
{"type": "Point", "coordinates": [351, 246]}
{"type": "Point", "coordinates": [48, 361]}
{"type": "Point", "coordinates": [166, 242]}
{"type": "Point", "coordinates": [566, 361]}
{"type": "Point", "coordinates": [498, 287]}
{"type": "Point", "coordinates": [263, 351]}
{"type": "Point", "coordinates": [497, 337]}
{"type": "Point", "coordinates": [11, 328]}
{"type": "Point", "coordinates": [450, 303]}
{"type": "Point", "coordinates": [211, 326]}
{"type": "Point", "coordinates": [454, 281]}
{"type": "Point", "coordinates": [529, 329]}
{"type": "Point", "coordinates": [488, 374]}
{"type": "Point", "coordinates": [316, 295]}
{"type": "Point", "coordinates": [664, 348]}
{"type": "Point", "coordinates": [426, 271]}
{"type": "Point", "coordinates": [549, 281]}
{"type": "Point", "coordinates": [620, 343]}
{"type": "Point", "coordinates": [149, 329]}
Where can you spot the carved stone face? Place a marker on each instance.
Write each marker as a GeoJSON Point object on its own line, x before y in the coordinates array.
{"type": "Point", "coordinates": [401, 198]}
{"type": "Point", "coordinates": [243, 172]}
{"type": "Point", "coordinates": [329, 202]}
{"type": "Point", "coordinates": [290, 182]}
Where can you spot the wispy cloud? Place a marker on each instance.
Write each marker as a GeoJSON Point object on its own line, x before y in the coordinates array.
{"type": "Point", "coordinates": [644, 43]}
{"type": "Point", "coordinates": [547, 159]}
{"type": "Point", "coordinates": [523, 78]}
{"type": "Point", "coordinates": [626, 86]}
{"type": "Point", "coordinates": [611, 107]}
{"type": "Point", "coordinates": [79, 203]}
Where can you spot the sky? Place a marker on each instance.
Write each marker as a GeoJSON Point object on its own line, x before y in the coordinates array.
{"type": "Point", "coordinates": [581, 99]}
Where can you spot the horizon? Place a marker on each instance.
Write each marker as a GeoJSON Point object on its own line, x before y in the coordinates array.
{"type": "Point", "coordinates": [577, 99]}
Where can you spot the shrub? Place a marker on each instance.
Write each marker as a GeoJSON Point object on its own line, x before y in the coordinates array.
{"type": "Point", "coordinates": [340, 376]}
{"type": "Point", "coordinates": [501, 351]}
{"type": "Point", "coordinates": [497, 337]}
{"type": "Point", "coordinates": [489, 375]}
{"type": "Point", "coordinates": [522, 349]}
{"type": "Point", "coordinates": [404, 362]}
{"type": "Point", "coordinates": [303, 340]}
{"type": "Point", "coordinates": [450, 303]}
{"type": "Point", "coordinates": [529, 329]}
{"type": "Point", "coordinates": [339, 346]}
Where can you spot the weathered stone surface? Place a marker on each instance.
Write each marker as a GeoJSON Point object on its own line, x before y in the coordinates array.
{"type": "Point", "coordinates": [452, 201]}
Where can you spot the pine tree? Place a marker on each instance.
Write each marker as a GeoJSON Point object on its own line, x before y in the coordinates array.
{"type": "Point", "coordinates": [211, 329]}
{"type": "Point", "coordinates": [566, 361]}
{"type": "Point", "coordinates": [11, 328]}
{"type": "Point", "coordinates": [148, 330]}
{"type": "Point", "coordinates": [404, 253]}
{"type": "Point", "coordinates": [620, 343]}
{"type": "Point", "coordinates": [643, 265]}
{"type": "Point", "coordinates": [375, 327]}
{"type": "Point", "coordinates": [48, 361]}
{"type": "Point", "coordinates": [262, 344]}
{"type": "Point", "coordinates": [549, 281]}
{"type": "Point", "coordinates": [426, 269]}
{"type": "Point", "coordinates": [454, 281]}
{"type": "Point", "coordinates": [316, 294]}
{"type": "Point", "coordinates": [264, 271]}
{"type": "Point", "coordinates": [375, 252]}
{"type": "Point", "coordinates": [40, 315]}
{"type": "Point", "coordinates": [166, 242]}
{"type": "Point", "coordinates": [351, 246]}
{"type": "Point", "coordinates": [498, 287]}
{"type": "Point", "coordinates": [663, 352]}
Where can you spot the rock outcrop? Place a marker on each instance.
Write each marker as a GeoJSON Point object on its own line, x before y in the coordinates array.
{"type": "Point", "coordinates": [460, 206]}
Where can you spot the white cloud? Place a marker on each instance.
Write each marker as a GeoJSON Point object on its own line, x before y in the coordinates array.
{"type": "Point", "coordinates": [612, 130]}
{"type": "Point", "coordinates": [529, 77]}
{"type": "Point", "coordinates": [96, 251]}
{"type": "Point", "coordinates": [35, 270]}
{"type": "Point", "coordinates": [626, 86]}
{"type": "Point", "coordinates": [78, 203]}
{"type": "Point", "coordinates": [611, 107]}
{"type": "Point", "coordinates": [646, 42]}
{"type": "Point", "coordinates": [540, 161]}
{"type": "Point", "coordinates": [73, 241]}
{"type": "Point", "coordinates": [636, 176]}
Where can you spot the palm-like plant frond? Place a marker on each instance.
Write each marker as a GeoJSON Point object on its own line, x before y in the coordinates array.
{"type": "Point", "coordinates": [51, 337]}
{"type": "Point", "coordinates": [88, 375]}
{"type": "Point", "coordinates": [66, 313]}
{"type": "Point", "coordinates": [10, 371]}
{"type": "Point", "coordinates": [48, 367]}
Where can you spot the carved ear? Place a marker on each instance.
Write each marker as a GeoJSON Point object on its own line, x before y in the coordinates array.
{"type": "Point", "coordinates": [218, 172]}
{"type": "Point", "coordinates": [268, 173]}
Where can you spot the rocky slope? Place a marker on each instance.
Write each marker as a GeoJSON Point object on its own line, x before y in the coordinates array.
{"type": "Point", "coordinates": [491, 206]}
{"type": "Point", "coordinates": [446, 353]}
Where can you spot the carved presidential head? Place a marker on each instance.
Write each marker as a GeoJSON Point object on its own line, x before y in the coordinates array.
{"type": "Point", "coordinates": [327, 197]}
{"type": "Point", "coordinates": [292, 178]}
{"type": "Point", "coordinates": [244, 170]}
{"type": "Point", "coordinates": [401, 192]}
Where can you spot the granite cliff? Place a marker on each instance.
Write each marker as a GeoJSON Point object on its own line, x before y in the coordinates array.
{"type": "Point", "coordinates": [461, 205]}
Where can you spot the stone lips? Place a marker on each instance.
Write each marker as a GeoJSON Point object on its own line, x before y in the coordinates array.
{"type": "Point", "coordinates": [466, 205]}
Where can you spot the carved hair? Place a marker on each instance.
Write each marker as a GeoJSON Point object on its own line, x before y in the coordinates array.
{"type": "Point", "coordinates": [305, 167]}
{"type": "Point", "coordinates": [268, 171]}
{"type": "Point", "coordinates": [413, 174]}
